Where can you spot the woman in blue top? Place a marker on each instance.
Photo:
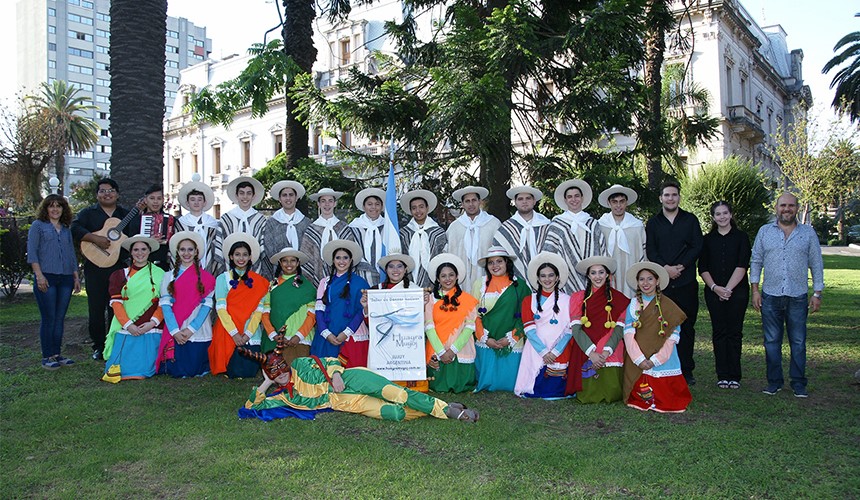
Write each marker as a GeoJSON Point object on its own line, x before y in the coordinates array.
{"type": "Point", "coordinates": [51, 254]}
{"type": "Point", "coordinates": [340, 316]}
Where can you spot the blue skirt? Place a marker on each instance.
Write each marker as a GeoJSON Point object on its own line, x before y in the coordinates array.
{"type": "Point", "coordinates": [548, 387]}
{"type": "Point", "coordinates": [322, 348]}
{"type": "Point", "coordinates": [242, 367]}
{"type": "Point", "coordinates": [496, 372]}
{"type": "Point", "coordinates": [135, 355]}
{"type": "Point", "coordinates": [189, 360]}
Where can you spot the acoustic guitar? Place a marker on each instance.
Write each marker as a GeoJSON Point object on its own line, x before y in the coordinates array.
{"type": "Point", "coordinates": [112, 230]}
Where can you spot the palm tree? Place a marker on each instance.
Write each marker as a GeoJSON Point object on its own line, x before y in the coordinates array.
{"type": "Point", "coordinates": [846, 80]}
{"type": "Point", "coordinates": [60, 108]}
{"type": "Point", "coordinates": [137, 60]}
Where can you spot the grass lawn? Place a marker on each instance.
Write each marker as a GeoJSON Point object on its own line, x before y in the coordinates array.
{"type": "Point", "coordinates": [66, 434]}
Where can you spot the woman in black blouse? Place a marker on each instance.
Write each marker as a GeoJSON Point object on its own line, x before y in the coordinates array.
{"type": "Point", "coordinates": [723, 265]}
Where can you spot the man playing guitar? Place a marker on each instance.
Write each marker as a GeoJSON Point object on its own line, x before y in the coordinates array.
{"type": "Point", "coordinates": [84, 226]}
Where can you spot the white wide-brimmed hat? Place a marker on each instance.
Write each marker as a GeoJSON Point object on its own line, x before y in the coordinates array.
{"type": "Point", "coordinates": [577, 183]}
{"type": "Point", "coordinates": [352, 247]}
{"type": "Point", "coordinates": [514, 191]}
{"type": "Point", "coordinates": [234, 238]}
{"type": "Point", "coordinates": [482, 192]}
{"type": "Point", "coordinates": [425, 195]}
{"type": "Point", "coordinates": [447, 258]}
{"type": "Point", "coordinates": [603, 197]}
{"type": "Point", "coordinates": [196, 185]}
{"type": "Point", "coordinates": [367, 192]}
{"type": "Point", "coordinates": [326, 192]}
{"type": "Point", "coordinates": [151, 243]}
{"type": "Point", "coordinates": [289, 252]}
{"type": "Point", "coordinates": [632, 275]}
{"type": "Point", "coordinates": [179, 237]}
{"type": "Point", "coordinates": [275, 192]}
{"type": "Point", "coordinates": [405, 259]}
{"type": "Point", "coordinates": [598, 260]}
{"type": "Point", "coordinates": [495, 251]}
{"type": "Point", "coordinates": [547, 258]}
{"type": "Point", "coordinates": [259, 192]}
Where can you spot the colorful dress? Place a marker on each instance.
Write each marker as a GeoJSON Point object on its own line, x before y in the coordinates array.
{"type": "Point", "coordinates": [452, 329]}
{"type": "Point", "coordinates": [186, 307]}
{"type": "Point", "coordinates": [289, 308]}
{"type": "Point", "coordinates": [341, 315]}
{"type": "Point", "coordinates": [546, 331]}
{"type": "Point", "coordinates": [239, 305]}
{"type": "Point", "coordinates": [661, 388]}
{"type": "Point", "coordinates": [589, 385]}
{"type": "Point", "coordinates": [500, 309]}
{"type": "Point", "coordinates": [365, 393]}
{"type": "Point", "coordinates": [134, 300]}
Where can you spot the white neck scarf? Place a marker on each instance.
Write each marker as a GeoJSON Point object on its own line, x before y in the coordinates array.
{"type": "Point", "coordinates": [328, 233]}
{"type": "Point", "coordinates": [576, 219]}
{"type": "Point", "coordinates": [290, 220]}
{"type": "Point", "coordinates": [617, 237]}
{"type": "Point", "coordinates": [472, 240]}
{"type": "Point", "coordinates": [528, 238]}
{"type": "Point", "coordinates": [419, 245]}
{"type": "Point", "coordinates": [242, 224]}
{"type": "Point", "coordinates": [371, 237]}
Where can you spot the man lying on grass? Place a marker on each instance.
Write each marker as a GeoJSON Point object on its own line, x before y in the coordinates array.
{"type": "Point", "coordinates": [312, 384]}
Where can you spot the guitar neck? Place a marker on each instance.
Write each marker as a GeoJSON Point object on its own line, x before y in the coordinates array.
{"type": "Point", "coordinates": [125, 220]}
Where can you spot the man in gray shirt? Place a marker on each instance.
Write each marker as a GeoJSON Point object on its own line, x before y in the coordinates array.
{"type": "Point", "coordinates": [786, 250]}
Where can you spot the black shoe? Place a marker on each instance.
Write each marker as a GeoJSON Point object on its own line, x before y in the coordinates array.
{"type": "Point", "coordinates": [691, 380]}
{"type": "Point", "coordinates": [97, 355]}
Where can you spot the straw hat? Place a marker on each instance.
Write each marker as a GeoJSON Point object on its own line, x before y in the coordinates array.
{"type": "Point", "coordinates": [352, 247]}
{"type": "Point", "coordinates": [177, 238]}
{"type": "Point", "coordinates": [367, 192]}
{"type": "Point", "coordinates": [447, 258]}
{"type": "Point", "coordinates": [234, 238]}
{"type": "Point", "coordinates": [482, 192]}
{"type": "Point", "coordinates": [583, 265]}
{"type": "Point", "coordinates": [633, 272]}
{"type": "Point", "coordinates": [289, 252]}
{"type": "Point", "coordinates": [326, 192]}
{"type": "Point", "coordinates": [577, 183]}
{"type": "Point", "coordinates": [407, 260]}
{"type": "Point", "coordinates": [547, 258]}
{"type": "Point", "coordinates": [258, 189]}
{"type": "Point", "coordinates": [427, 196]}
{"type": "Point", "coordinates": [153, 244]}
{"type": "Point", "coordinates": [275, 192]}
{"type": "Point", "coordinates": [196, 185]}
{"type": "Point", "coordinates": [514, 191]}
{"type": "Point", "coordinates": [603, 197]}
{"type": "Point", "coordinates": [495, 251]}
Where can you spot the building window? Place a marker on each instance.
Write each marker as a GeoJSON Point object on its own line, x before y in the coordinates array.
{"type": "Point", "coordinates": [87, 5]}
{"type": "Point", "coordinates": [52, 12]}
{"type": "Point", "coordinates": [345, 53]}
{"type": "Point", "coordinates": [345, 138]}
{"type": "Point", "coordinates": [743, 91]}
{"type": "Point", "coordinates": [246, 154]}
{"type": "Point", "coordinates": [77, 35]}
{"type": "Point", "coordinates": [102, 17]}
{"type": "Point", "coordinates": [101, 49]}
{"type": "Point", "coordinates": [103, 115]}
{"type": "Point", "coordinates": [170, 94]}
{"type": "Point", "coordinates": [172, 34]}
{"type": "Point", "coordinates": [104, 165]}
{"type": "Point", "coordinates": [103, 33]}
{"type": "Point", "coordinates": [172, 49]}
{"type": "Point", "coordinates": [84, 70]}
{"type": "Point", "coordinates": [83, 86]}
{"type": "Point", "coordinates": [279, 144]}
{"type": "Point", "coordinates": [729, 86]}
{"type": "Point", "coordinates": [177, 169]}
{"type": "Point", "coordinates": [103, 148]}
{"type": "Point", "coordinates": [52, 46]}
{"type": "Point", "coordinates": [85, 154]}
{"type": "Point", "coordinates": [52, 64]}
{"type": "Point", "coordinates": [194, 163]}
{"type": "Point", "coordinates": [216, 210]}
{"type": "Point", "coordinates": [105, 132]}
{"type": "Point", "coordinates": [52, 29]}
{"type": "Point", "coordinates": [171, 79]}
{"type": "Point", "coordinates": [80, 19]}
{"type": "Point", "coordinates": [102, 66]}
{"type": "Point", "coordinates": [172, 64]}
{"type": "Point", "coordinates": [191, 39]}
{"type": "Point", "coordinates": [317, 140]}
{"type": "Point", "coordinates": [216, 159]}
{"type": "Point", "coordinates": [101, 82]}
{"type": "Point", "coordinates": [80, 52]}
{"type": "Point", "coordinates": [102, 99]}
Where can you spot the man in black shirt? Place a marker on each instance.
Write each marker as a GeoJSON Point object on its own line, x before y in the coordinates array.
{"type": "Point", "coordinates": [674, 240]}
{"type": "Point", "coordinates": [85, 224]}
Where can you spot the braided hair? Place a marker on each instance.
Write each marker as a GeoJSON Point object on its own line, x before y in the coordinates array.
{"type": "Point", "coordinates": [233, 275]}
{"type": "Point", "coordinates": [555, 307]}
{"type": "Point", "coordinates": [446, 301]}
{"type": "Point", "coordinates": [509, 270]}
{"type": "Point", "coordinates": [177, 260]}
{"type": "Point", "coordinates": [345, 293]}
{"type": "Point", "coordinates": [657, 294]}
{"type": "Point", "coordinates": [606, 289]}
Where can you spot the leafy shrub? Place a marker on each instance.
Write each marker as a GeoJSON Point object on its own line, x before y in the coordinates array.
{"type": "Point", "coordinates": [734, 180]}
{"type": "Point", "coordinates": [13, 254]}
{"type": "Point", "coordinates": [312, 175]}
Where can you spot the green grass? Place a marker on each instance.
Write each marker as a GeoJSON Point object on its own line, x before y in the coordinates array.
{"type": "Point", "coordinates": [66, 434]}
{"type": "Point", "coordinates": [25, 310]}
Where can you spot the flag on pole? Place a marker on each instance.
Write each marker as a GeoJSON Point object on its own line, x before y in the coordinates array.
{"type": "Point", "coordinates": [391, 229]}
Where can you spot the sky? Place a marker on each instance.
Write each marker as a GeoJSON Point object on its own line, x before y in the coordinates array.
{"type": "Point", "coordinates": [813, 26]}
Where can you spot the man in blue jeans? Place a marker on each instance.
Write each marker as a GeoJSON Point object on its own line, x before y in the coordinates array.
{"type": "Point", "coordinates": [786, 250]}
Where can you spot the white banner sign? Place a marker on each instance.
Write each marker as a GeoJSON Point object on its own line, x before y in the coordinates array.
{"type": "Point", "coordinates": [396, 324]}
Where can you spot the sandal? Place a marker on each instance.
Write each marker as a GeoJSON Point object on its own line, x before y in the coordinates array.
{"type": "Point", "coordinates": [734, 384]}
{"type": "Point", "coordinates": [723, 384]}
{"type": "Point", "coordinates": [457, 406]}
{"type": "Point", "coordinates": [467, 415]}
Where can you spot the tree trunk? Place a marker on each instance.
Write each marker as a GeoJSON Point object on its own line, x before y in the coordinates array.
{"type": "Point", "coordinates": [137, 61]}
{"type": "Point", "coordinates": [60, 171]}
{"type": "Point", "coordinates": [658, 19]}
{"type": "Point", "coordinates": [298, 43]}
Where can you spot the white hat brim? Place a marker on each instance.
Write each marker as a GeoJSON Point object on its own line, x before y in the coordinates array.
{"type": "Point", "coordinates": [208, 194]}
{"type": "Point", "coordinates": [298, 254]}
{"type": "Point", "coordinates": [577, 183]}
{"type": "Point", "coordinates": [447, 258]}
{"type": "Point", "coordinates": [427, 196]}
{"type": "Point", "coordinates": [275, 192]}
{"type": "Point", "coordinates": [482, 192]}
{"type": "Point", "coordinates": [352, 247]}
{"type": "Point", "coordinates": [366, 193]}
{"type": "Point", "coordinates": [153, 244]}
{"type": "Point", "coordinates": [550, 258]}
{"type": "Point", "coordinates": [632, 273]}
{"type": "Point", "coordinates": [179, 237]}
{"type": "Point", "coordinates": [407, 260]}
{"type": "Point", "coordinates": [583, 265]}
{"type": "Point", "coordinates": [230, 240]}
{"type": "Point", "coordinates": [326, 192]}
{"type": "Point", "coordinates": [603, 197]}
{"type": "Point", "coordinates": [259, 191]}
{"type": "Point", "coordinates": [514, 191]}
